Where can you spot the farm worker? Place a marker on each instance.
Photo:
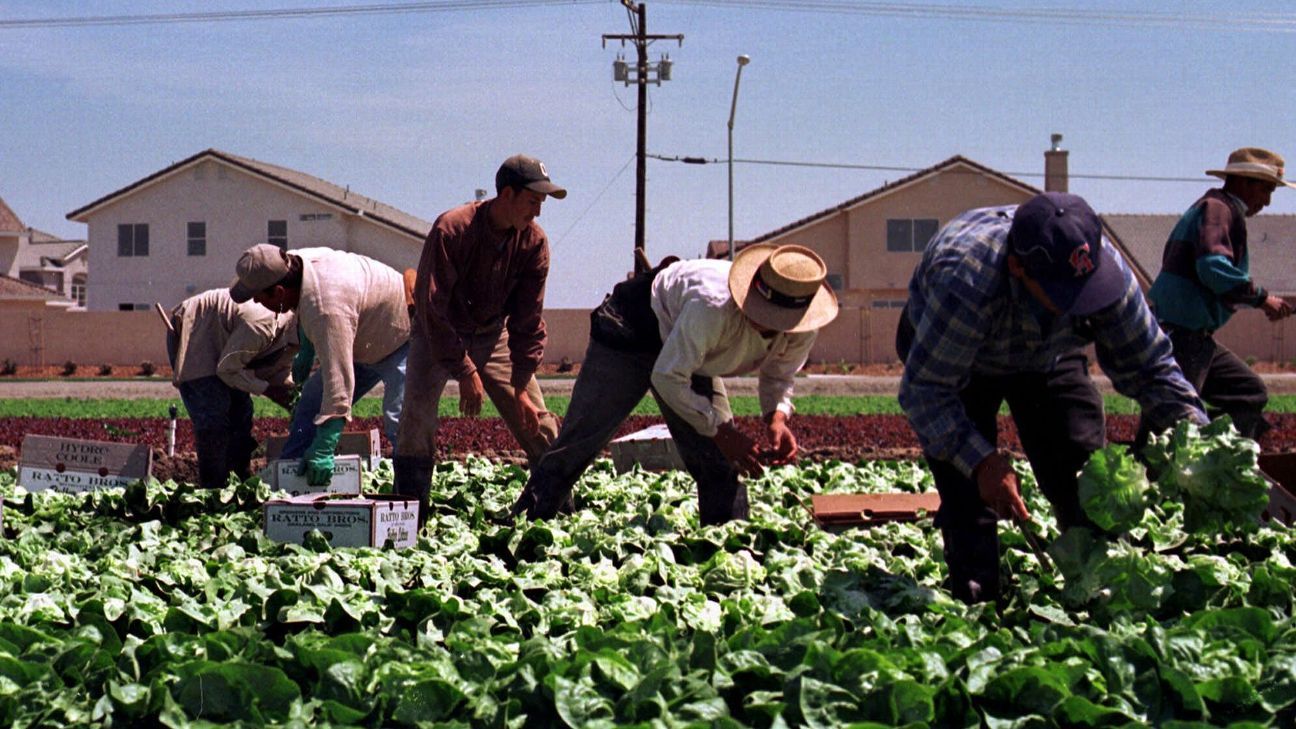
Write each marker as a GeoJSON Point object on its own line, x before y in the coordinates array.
{"type": "Point", "coordinates": [353, 317]}
{"type": "Point", "coordinates": [478, 302]}
{"type": "Point", "coordinates": [220, 352]}
{"type": "Point", "coordinates": [1000, 308]}
{"type": "Point", "coordinates": [1204, 279]}
{"type": "Point", "coordinates": [675, 331]}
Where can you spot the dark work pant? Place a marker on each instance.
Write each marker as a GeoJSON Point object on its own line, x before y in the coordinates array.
{"type": "Point", "coordinates": [1224, 381]}
{"type": "Point", "coordinates": [610, 384]}
{"type": "Point", "coordinates": [1059, 419]}
{"type": "Point", "coordinates": [222, 424]}
{"type": "Point", "coordinates": [214, 405]}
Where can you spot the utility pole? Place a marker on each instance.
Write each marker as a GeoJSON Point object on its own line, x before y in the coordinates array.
{"type": "Point", "coordinates": [642, 74]}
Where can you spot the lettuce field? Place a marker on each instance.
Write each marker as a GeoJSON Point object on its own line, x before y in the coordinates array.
{"type": "Point", "coordinates": [164, 605]}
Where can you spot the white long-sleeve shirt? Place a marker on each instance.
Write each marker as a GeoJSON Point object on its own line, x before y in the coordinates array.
{"type": "Point", "coordinates": [704, 333]}
{"type": "Point", "coordinates": [352, 308]}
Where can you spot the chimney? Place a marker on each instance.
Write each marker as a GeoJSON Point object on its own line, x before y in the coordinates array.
{"type": "Point", "coordinates": [1055, 166]}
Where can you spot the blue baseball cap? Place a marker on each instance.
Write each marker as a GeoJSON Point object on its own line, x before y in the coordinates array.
{"type": "Point", "coordinates": [1058, 239]}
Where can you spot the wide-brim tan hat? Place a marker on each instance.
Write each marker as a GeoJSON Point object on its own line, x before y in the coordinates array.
{"type": "Point", "coordinates": [1254, 162]}
{"type": "Point", "coordinates": [782, 288]}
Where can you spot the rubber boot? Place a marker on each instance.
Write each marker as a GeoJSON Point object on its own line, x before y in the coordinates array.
{"type": "Point", "coordinates": [213, 453]}
{"type": "Point", "coordinates": [413, 477]}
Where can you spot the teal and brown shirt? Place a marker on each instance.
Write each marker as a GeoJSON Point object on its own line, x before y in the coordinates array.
{"type": "Point", "coordinates": [1205, 268]}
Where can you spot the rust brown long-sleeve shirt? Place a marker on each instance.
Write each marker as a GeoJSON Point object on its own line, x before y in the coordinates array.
{"type": "Point", "coordinates": [472, 279]}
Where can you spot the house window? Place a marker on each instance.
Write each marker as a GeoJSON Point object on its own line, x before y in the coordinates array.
{"type": "Point", "coordinates": [132, 240]}
{"type": "Point", "coordinates": [197, 234]}
{"type": "Point", "coordinates": [906, 235]}
{"type": "Point", "coordinates": [277, 233]}
{"type": "Point", "coordinates": [79, 289]}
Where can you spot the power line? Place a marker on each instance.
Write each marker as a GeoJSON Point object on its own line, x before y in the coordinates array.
{"type": "Point", "coordinates": [217, 16]}
{"type": "Point", "coordinates": [1257, 22]}
{"type": "Point", "coordinates": [1262, 22]}
{"type": "Point", "coordinates": [885, 168]}
{"type": "Point", "coordinates": [597, 197]}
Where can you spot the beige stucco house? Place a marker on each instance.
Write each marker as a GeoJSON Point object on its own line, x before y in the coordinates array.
{"type": "Point", "coordinates": [39, 258]}
{"type": "Point", "coordinates": [179, 231]}
{"type": "Point", "coordinates": [872, 243]}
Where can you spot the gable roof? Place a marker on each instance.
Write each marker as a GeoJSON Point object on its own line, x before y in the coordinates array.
{"type": "Point", "coordinates": [59, 252]}
{"type": "Point", "coordinates": [1143, 238]}
{"type": "Point", "coordinates": [9, 221]}
{"type": "Point", "coordinates": [40, 236]}
{"type": "Point", "coordinates": [720, 248]}
{"type": "Point", "coordinates": [299, 182]}
{"type": "Point", "coordinates": [13, 289]}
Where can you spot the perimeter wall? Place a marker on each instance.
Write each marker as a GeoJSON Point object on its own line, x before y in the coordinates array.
{"type": "Point", "coordinates": [35, 334]}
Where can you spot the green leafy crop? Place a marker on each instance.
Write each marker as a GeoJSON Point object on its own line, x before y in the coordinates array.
{"type": "Point", "coordinates": [1113, 489]}
{"type": "Point", "coordinates": [165, 605]}
{"type": "Point", "coordinates": [1214, 470]}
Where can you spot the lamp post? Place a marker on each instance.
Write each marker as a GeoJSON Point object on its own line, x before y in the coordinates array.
{"type": "Point", "coordinates": [743, 60]}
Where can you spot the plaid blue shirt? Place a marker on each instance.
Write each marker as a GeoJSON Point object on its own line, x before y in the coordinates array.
{"type": "Point", "coordinates": [970, 317]}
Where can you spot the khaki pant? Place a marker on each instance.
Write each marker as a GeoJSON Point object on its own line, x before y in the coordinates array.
{"type": "Point", "coordinates": [425, 380]}
{"type": "Point", "coordinates": [610, 385]}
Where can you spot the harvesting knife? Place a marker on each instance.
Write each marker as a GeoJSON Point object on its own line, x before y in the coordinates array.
{"type": "Point", "coordinates": [1033, 541]}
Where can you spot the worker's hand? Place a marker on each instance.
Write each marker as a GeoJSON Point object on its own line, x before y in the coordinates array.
{"type": "Point", "coordinates": [1276, 307]}
{"type": "Point", "coordinates": [997, 483]}
{"type": "Point", "coordinates": [283, 395]}
{"type": "Point", "coordinates": [781, 438]}
{"type": "Point", "coordinates": [738, 449]}
{"type": "Point", "coordinates": [471, 394]}
{"type": "Point", "coordinates": [318, 470]}
{"type": "Point", "coordinates": [527, 413]}
{"type": "Point", "coordinates": [317, 464]}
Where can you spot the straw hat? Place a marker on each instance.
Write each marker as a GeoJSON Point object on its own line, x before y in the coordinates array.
{"type": "Point", "coordinates": [1254, 162]}
{"type": "Point", "coordinates": [782, 288]}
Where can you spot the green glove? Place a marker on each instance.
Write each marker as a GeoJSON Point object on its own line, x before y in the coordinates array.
{"type": "Point", "coordinates": [302, 361]}
{"type": "Point", "coordinates": [317, 464]}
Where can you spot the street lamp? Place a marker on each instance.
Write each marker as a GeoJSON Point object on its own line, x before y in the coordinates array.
{"type": "Point", "coordinates": [743, 60]}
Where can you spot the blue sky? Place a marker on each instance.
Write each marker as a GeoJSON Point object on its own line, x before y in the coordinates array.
{"type": "Point", "coordinates": [418, 109]}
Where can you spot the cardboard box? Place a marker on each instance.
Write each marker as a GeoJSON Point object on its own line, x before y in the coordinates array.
{"type": "Point", "coordinates": [651, 448]}
{"type": "Point", "coordinates": [364, 443]}
{"type": "Point", "coordinates": [346, 477]}
{"type": "Point", "coordinates": [70, 465]}
{"type": "Point", "coordinates": [375, 520]}
{"type": "Point", "coordinates": [843, 510]}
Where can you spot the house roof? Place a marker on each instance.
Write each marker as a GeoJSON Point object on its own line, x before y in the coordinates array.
{"type": "Point", "coordinates": [9, 221]}
{"type": "Point", "coordinates": [40, 236]}
{"type": "Point", "coordinates": [1143, 237]}
{"type": "Point", "coordinates": [300, 182]}
{"type": "Point", "coordinates": [58, 251]}
{"type": "Point", "coordinates": [12, 289]}
{"type": "Point", "coordinates": [720, 248]}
